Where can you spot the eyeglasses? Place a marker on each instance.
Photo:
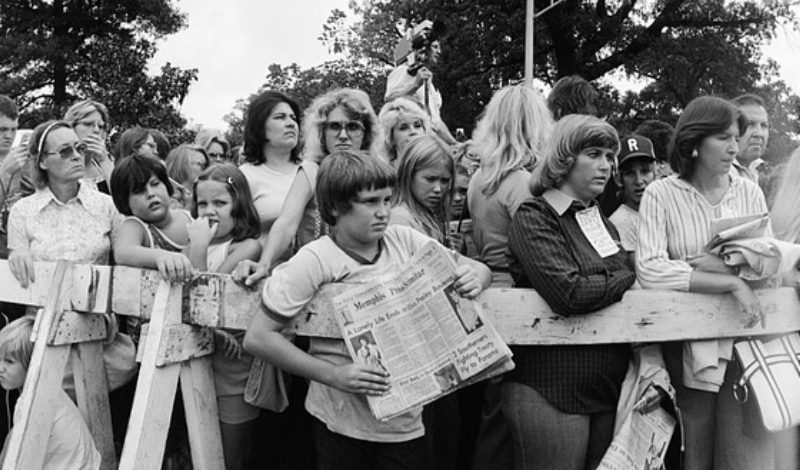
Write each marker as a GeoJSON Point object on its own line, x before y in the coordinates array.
{"type": "Point", "coordinates": [98, 124]}
{"type": "Point", "coordinates": [69, 151]}
{"type": "Point", "coordinates": [353, 128]}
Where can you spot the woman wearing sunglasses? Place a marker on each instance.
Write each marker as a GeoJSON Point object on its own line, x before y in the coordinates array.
{"type": "Point", "coordinates": [339, 120]}
{"type": "Point", "coordinates": [64, 218]}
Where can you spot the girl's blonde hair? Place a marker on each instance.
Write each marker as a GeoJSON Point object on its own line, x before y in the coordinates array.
{"type": "Point", "coordinates": [786, 208]}
{"type": "Point", "coordinates": [511, 134]}
{"type": "Point", "coordinates": [15, 340]}
{"type": "Point", "coordinates": [422, 152]}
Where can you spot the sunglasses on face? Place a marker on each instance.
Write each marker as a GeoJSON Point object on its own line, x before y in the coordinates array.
{"type": "Point", "coordinates": [68, 151]}
{"type": "Point", "coordinates": [351, 127]}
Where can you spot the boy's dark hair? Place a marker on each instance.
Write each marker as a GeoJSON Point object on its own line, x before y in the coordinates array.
{"type": "Point", "coordinates": [343, 174]}
{"type": "Point", "coordinates": [659, 133]}
{"type": "Point", "coordinates": [573, 95]}
{"type": "Point", "coordinates": [130, 176]}
{"type": "Point", "coordinates": [8, 108]}
{"type": "Point", "coordinates": [246, 223]}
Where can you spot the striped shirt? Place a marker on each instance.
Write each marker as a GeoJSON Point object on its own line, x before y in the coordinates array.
{"type": "Point", "coordinates": [675, 222]}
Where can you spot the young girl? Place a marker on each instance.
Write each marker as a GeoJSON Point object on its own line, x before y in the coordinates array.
{"type": "Point", "coordinates": [153, 236]}
{"type": "Point", "coordinates": [225, 232]}
{"type": "Point", "coordinates": [424, 187]}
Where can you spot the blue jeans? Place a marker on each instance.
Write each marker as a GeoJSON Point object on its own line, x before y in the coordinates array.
{"type": "Point", "coordinates": [546, 438]}
{"type": "Point", "coordinates": [338, 452]}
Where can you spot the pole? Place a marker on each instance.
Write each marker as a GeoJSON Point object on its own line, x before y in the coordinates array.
{"type": "Point", "coordinates": [529, 44]}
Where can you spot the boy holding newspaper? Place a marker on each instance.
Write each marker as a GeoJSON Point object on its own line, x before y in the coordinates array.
{"type": "Point", "coordinates": [354, 192]}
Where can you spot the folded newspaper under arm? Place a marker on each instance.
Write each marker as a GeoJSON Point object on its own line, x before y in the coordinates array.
{"type": "Point", "coordinates": [416, 326]}
{"type": "Point", "coordinates": [737, 228]}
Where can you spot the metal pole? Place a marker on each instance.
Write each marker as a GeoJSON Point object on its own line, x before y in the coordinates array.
{"type": "Point", "coordinates": [529, 43]}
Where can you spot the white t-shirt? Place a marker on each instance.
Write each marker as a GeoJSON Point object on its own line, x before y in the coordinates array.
{"type": "Point", "coordinates": [291, 287]}
{"type": "Point", "coordinates": [269, 189]}
{"type": "Point", "coordinates": [627, 222]}
{"type": "Point", "coordinates": [400, 78]}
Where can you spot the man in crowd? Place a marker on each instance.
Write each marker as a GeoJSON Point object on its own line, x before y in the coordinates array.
{"type": "Point", "coordinates": [753, 142]}
{"type": "Point", "coordinates": [415, 80]}
{"type": "Point", "coordinates": [12, 163]}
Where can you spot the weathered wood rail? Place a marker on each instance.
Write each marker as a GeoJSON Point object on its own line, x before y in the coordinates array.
{"type": "Point", "coordinates": [176, 347]}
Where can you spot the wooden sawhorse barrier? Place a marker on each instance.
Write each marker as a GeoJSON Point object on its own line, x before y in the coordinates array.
{"type": "Point", "coordinates": [177, 348]}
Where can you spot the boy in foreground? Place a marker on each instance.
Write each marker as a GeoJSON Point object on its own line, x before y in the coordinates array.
{"type": "Point", "coordinates": [70, 445]}
{"type": "Point", "coordinates": [354, 193]}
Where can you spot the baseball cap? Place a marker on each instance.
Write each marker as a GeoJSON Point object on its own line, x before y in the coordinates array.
{"type": "Point", "coordinates": [633, 146]}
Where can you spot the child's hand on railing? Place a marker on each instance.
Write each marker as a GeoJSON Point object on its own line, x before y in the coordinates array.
{"type": "Point", "coordinates": [21, 263]}
{"type": "Point", "coordinates": [225, 341]}
{"type": "Point", "coordinates": [175, 267]}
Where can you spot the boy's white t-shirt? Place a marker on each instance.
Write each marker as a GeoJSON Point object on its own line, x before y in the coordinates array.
{"type": "Point", "coordinates": [70, 445]}
{"type": "Point", "coordinates": [627, 222]}
{"type": "Point", "coordinates": [291, 287]}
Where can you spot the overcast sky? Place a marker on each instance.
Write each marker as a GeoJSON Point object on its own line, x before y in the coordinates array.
{"type": "Point", "coordinates": [232, 42]}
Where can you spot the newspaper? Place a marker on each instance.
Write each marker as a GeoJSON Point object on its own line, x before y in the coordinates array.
{"type": "Point", "coordinates": [737, 228]}
{"type": "Point", "coordinates": [641, 442]}
{"type": "Point", "coordinates": [413, 324]}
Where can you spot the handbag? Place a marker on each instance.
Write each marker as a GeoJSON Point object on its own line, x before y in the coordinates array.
{"type": "Point", "coordinates": [266, 387]}
{"type": "Point", "coordinates": [771, 374]}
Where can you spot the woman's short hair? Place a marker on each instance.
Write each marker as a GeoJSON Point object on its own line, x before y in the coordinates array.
{"type": "Point", "coordinates": [177, 163]}
{"type": "Point", "coordinates": [246, 223]}
{"type": "Point", "coordinates": [206, 137]}
{"type": "Point", "coordinates": [343, 174]}
{"type": "Point", "coordinates": [356, 106]}
{"type": "Point", "coordinates": [37, 149]}
{"type": "Point", "coordinates": [130, 176]}
{"type": "Point", "coordinates": [392, 113]}
{"type": "Point", "coordinates": [571, 135]}
{"type": "Point", "coordinates": [80, 109]}
{"type": "Point", "coordinates": [422, 152]}
{"type": "Point", "coordinates": [130, 141]}
{"type": "Point", "coordinates": [511, 134]}
{"type": "Point", "coordinates": [258, 112]}
{"type": "Point", "coordinates": [703, 117]}
{"type": "Point", "coordinates": [15, 341]}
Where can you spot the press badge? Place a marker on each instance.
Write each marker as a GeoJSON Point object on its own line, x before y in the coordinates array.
{"type": "Point", "coordinates": [595, 231]}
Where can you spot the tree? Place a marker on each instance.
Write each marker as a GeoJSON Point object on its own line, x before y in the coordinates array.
{"type": "Point", "coordinates": [687, 48]}
{"type": "Point", "coordinates": [58, 51]}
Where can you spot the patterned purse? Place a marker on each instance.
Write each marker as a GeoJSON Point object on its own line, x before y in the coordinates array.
{"type": "Point", "coordinates": [771, 374]}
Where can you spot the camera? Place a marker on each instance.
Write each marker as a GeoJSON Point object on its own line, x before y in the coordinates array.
{"type": "Point", "coordinates": [413, 46]}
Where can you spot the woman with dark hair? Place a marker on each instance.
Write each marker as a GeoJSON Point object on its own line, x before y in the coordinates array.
{"type": "Point", "coordinates": [339, 120]}
{"type": "Point", "coordinates": [272, 153]}
{"type": "Point", "coordinates": [676, 215]}
{"type": "Point", "coordinates": [89, 119]}
{"type": "Point", "coordinates": [136, 141]}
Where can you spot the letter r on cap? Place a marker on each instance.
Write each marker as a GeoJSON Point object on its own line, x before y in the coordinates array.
{"type": "Point", "coordinates": [633, 145]}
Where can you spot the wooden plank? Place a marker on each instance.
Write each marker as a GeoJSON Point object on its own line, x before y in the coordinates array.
{"type": "Point", "coordinates": [90, 291]}
{"type": "Point", "coordinates": [523, 317]}
{"type": "Point", "coordinates": [75, 327]}
{"type": "Point", "coordinates": [202, 419]}
{"type": "Point", "coordinates": [91, 391]}
{"type": "Point", "coordinates": [36, 407]}
{"type": "Point", "coordinates": [182, 342]}
{"type": "Point", "coordinates": [145, 440]}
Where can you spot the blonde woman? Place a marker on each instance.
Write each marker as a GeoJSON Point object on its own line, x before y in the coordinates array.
{"type": "Point", "coordinates": [401, 119]}
{"type": "Point", "coordinates": [89, 119]}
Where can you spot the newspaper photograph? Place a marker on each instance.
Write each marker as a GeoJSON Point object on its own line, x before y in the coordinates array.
{"type": "Point", "coordinates": [414, 325]}
{"type": "Point", "coordinates": [641, 442]}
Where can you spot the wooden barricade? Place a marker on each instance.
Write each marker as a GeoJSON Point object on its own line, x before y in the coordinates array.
{"type": "Point", "coordinates": [176, 348]}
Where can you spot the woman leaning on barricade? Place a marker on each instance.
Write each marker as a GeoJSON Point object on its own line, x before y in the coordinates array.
{"type": "Point", "coordinates": [560, 401]}
{"type": "Point", "coordinates": [89, 119]}
{"type": "Point", "coordinates": [675, 224]}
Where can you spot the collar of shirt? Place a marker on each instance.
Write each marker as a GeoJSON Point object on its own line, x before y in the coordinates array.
{"type": "Point", "coordinates": [87, 197]}
{"type": "Point", "coordinates": [755, 164]}
{"type": "Point", "coordinates": [561, 201]}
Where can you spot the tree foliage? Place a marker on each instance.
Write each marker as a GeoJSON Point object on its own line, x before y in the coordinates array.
{"type": "Point", "coordinates": [58, 51]}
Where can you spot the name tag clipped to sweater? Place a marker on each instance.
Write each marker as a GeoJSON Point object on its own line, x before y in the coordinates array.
{"type": "Point", "coordinates": [595, 230]}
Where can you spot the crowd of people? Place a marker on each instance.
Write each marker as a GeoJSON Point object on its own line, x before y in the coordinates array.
{"type": "Point", "coordinates": [557, 201]}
